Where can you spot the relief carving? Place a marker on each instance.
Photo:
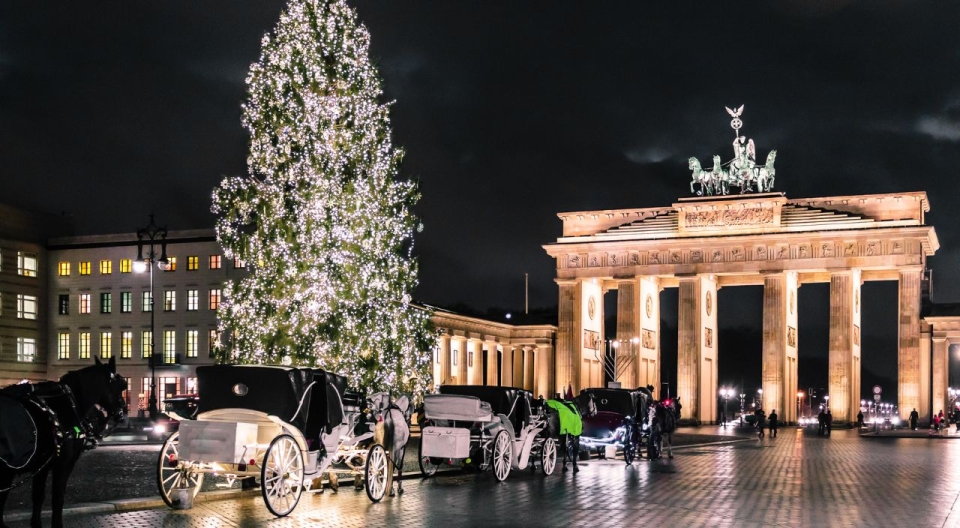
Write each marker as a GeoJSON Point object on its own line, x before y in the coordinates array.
{"type": "Point", "coordinates": [594, 261]}
{"type": "Point", "coordinates": [856, 335]}
{"type": "Point", "coordinates": [675, 257]}
{"type": "Point", "coordinates": [826, 250]}
{"type": "Point", "coordinates": [729, 217]}
{"type": "Point", "coordinates": [761, 252]}
{"type": "Point", "coordinates": [648, 338]}
{"type": "Point", "coordinates": [591, 340]}
{"type": "Point", "coordinates": [804, 251]}
{"type": "Point", "coordinates": [635, 259]}
{"type": "Point", "coordinates": [897, 247]}
{"type": "Point", "coordinates": [696, 255]}
{"type": "Point", "coordinates": [872, 249]}
{"type": "Point", "coordinates": [717, 255]}
{"type": "Point", "coordinates": [708, 337]}
{"type": "Point", "coordinates": [849, 249]}
{"type": "Point", "coordinates": [613, 260]}
{"type": "Point", "coordinates": [574, 261]}
{"type": "Point", "coordinates": [737, 254]}
{"type": "Point", "coordinates": [792, 336]}
{"type": "Point", "coordinates": [654, 257]}
{"type": "Point", "coordinates": [782, 252]}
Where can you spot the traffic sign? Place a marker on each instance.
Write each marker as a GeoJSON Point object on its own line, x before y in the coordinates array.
{"type": "Point", "coordinates": [877, 389]}
{"type": "Point", "coordinates": [876, 397]}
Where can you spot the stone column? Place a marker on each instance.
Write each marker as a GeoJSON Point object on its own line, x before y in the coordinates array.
{"type": "Point", "coordinates": [568, 336]}
{"type": "Point", "coordinates": [779, 371]}
{"type": "Point", "coordinates": [446, 372]}
{"type": "Point", "coordinates": [941, 372]}
{"type": "Point", "coordinates": [460, 356]}
{"type": "Point", "coordinates": [628, 333]}
{"type": "Point", "coordinates": [492, 357]}
{"type": "Point", "coordinates": [844, 375]}
{"type": "Point", "coordinates": [697, 345]}
{"type": "Point", "coordinates": [648, 362]}
{"type": "Point", "coordinates": [911, 383]}
{"type": "Point", "coordinates": [528, 368]}
{"type": "Point", "coordinates": [476, 370]}
{"type": "Point", "coordinates": [546, 383]}
{"type": "Point", "coordinates": [506, 366]}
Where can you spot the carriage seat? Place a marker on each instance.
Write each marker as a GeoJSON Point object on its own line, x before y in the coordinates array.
{"type": "Point", "coordinates": [456, 407]}
{"type": "Point", "coordinates": [353, 401]}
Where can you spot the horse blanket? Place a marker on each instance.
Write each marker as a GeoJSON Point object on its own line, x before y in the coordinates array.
{"type": "Point", "coordinates": [570, 421]}
{"type": "Point", "coordinates": [18, 433]}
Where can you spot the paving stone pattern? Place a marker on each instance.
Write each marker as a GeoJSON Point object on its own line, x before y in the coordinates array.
{"type": "Point", "coordinates": [798, 479]}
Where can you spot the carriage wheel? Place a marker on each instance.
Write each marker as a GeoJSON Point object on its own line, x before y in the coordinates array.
{"type": "Point", "coordinates": [170, 474]}
{"type": "Point", "coordinates": [281, 478]}
{"type": "Point", "coordinates": [502, 455]}
{"type": "Point", "coordinates": [377, 473]}
{"type": "Point", "coordinates": [548, 456]}
{"type": "Point", "coordinates": [427, 465]}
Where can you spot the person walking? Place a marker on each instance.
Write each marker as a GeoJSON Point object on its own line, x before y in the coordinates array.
{"type": "Point", "coordinates": [936, 424]}
{"type": "Point", "coordinates": [943, 421]}
{"type": "Point", "coordinates": [761, 423]}
{"type": "Point", "coordinates": [914, 418]}
{"type": "Point", "coordinates": [829, 421]}
{"type": "Point", "coordinates": [956, 418]}
{"type": "Point", "coordinates": [821, 422]}
{"type": "Point", "coordinates": [860, 420]}
{"type": "Point", "coordinates": [774, 424]}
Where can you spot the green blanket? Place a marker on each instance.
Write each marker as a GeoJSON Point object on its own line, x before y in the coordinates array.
{"type": "Point", "coordinates": [570, 422]}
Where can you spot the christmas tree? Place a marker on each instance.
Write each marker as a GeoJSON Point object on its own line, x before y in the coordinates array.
{"type": "Point", "coordinates": [322, 220]}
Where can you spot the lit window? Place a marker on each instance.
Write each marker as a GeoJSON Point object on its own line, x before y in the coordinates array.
{"type": "Point", "coordinates": [26, 306]}
{"type": "Point", "coordinates": [170, 300]}
{"type": "Point", "coordinates": [168, 387]}
{"type": "Point", "coordinates": [106, 267]}
{"type": "Point", "coordinates": [146, 343]}
{"type": "Point", "coordinates": [126, 344]}
{"type": "Point", "coordinates": [212, 344]}
{"type": "Point", "coordinates": [192, 339]}
{"type": "Point", "coordinates": [63, 269]}
{"type": "Point", "coordinates": [191, 385]}
{"type": "Point", "coordinates": [193, 263]}
{"type": "Point", "coordinates": [26, 349]}
{"type": "Point", "coordinates": [215, 262]}
{"type": "Point", "coordinates": [237, 263]}
{"type": "Point", "coordinates": [84, 268]}
{"type": "Point", "coordinates": [84, 303]}
{"type": "Point", "coordinates": [215, 299]}
{"type": "Point", "coordinates": [63, 302]}
{"type": "Point", "coordinates": [27, 264]}
{"type": "Point", "coordinates": [106, 303]}
{"type": "Point", "coordinates": [106, 344]}
{"type": "Point", "coordinates": [454, 359]}
{"type": "Point", "coordinates": [171, 264]}
{"type": "Point", "coordinates": [193, 300]}
{"type": "Point", "coordinates": [126, 265]}
{"type": "Point", "coordinates": [146, 302]}
{"type": "Point", "coordinates": [83, 347]}
{"type": "Point", "coordinates": [126, 302]}
{"type": "Point", "coordinates": [170, 346]}
{"type": "Point", "coordinates": [63, 345]}
{"type": "Point", "coordinates": [145, 387]}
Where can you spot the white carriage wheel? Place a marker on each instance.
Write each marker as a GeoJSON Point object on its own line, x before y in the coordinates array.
{"type": "Point", "coordinates": [281, 478]}
{"type": "Point", "coordinates": [427, 467]}
{"type": "Point", "coordinates": [377, 473]}
{"type": "Point", "coordinates": [170, 473]}
{"type": "Point", "coordinates": [548, 456]}
{"type": "Point", "coordinates": [502, 455]}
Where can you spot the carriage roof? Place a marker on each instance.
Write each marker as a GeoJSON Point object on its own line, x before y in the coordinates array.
{"type": "Point", "coordinates": [273, 390]}
{"type": "Point", "coordinates": [622, 401]}
{"type": "Point", "coordinates": [510, 401]}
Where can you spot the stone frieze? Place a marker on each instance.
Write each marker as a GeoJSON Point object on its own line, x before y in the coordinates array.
{"type": "Point", "coordinates": [729, 217]}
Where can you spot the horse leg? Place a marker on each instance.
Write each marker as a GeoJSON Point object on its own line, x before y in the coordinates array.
{"type": "Point", "coordinates": [39, 492]}
{"type": "Point", "coordinates": [564, 446]}
{"type": "Point", "coordinates": [61, 474]}
{"type": "Point", "coordinates": [6, 479]}
{"type": "Point", "coordinates": [576, 453]}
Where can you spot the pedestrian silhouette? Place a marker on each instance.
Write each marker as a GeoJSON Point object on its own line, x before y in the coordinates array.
{"type": "Point", "coordinates": [773, 424]}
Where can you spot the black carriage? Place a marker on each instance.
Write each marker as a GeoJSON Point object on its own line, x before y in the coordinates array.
{"type": "Point", "coordinates": [621, 423]}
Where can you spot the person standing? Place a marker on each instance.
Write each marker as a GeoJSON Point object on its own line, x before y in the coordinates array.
{"type": "Point", "coordinates": [936, 423]}
{"type": "Point", "coordinates": [821, 422]}
{"type": "Point", "coordinates": [914, 418]}
{"type": "Point", "coordinates": [860, 419]}
{"type": "Point", "coordinates": [829, 421]}
{"type": "Point", "coordinates": [773, 423]}
{"type": "Point", "coordinates": [956, 418]}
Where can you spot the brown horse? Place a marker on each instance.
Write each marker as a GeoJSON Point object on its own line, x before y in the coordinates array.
{"type": "Point", "coordinates": [63, 420]}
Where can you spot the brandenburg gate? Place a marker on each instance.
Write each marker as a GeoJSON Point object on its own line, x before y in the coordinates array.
{"type": "Point", "coordinates": [756, 237]}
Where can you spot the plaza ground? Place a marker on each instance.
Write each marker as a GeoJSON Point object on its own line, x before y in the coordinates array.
{"type": "Point", "coordinates": [797, 479]}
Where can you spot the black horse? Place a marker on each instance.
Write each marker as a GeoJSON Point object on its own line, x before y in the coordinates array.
{"type": "Point", "coordinates": [62, 419]}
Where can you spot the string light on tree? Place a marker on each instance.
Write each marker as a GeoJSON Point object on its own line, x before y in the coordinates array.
{"type": "Point", "coordinates": [321, 218]}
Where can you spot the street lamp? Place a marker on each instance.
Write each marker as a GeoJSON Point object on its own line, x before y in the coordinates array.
{"type": "Point", "coordinates": [151, 236]}
{"type": "Point", "coordinates": [799, 405]}
{"type": "Point", "coordinates": [726, 393]}
{"type": "Point", "coordinates": [826, 402]}
{"type": "Point", "coordinates": [760, 398]}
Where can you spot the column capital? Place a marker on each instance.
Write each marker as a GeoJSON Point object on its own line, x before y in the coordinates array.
{"type": "Point", "coordinates": [567, 282]}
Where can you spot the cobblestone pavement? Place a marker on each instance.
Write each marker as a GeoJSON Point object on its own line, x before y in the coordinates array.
{"type": "Point", "coordinates": [798, 479]}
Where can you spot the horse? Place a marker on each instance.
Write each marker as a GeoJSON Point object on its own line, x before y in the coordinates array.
{"type": "Point", "coordinates": [702, 177]}
{"type": "Point", "coordinates": [61, 420]}
{"type": "Point", "coordinates": [663, 417]}
{"type": "Point", "coordinates": [766, 173]}
{"type": "Point", "coordinates": [571, 414]}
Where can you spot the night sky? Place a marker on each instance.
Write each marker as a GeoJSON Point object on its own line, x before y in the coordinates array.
{"type": "Point", "coordinates": [509, 113]}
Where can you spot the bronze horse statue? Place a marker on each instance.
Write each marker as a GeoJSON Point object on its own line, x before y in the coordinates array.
{"type": "Point", "coordinates": [46, 426]}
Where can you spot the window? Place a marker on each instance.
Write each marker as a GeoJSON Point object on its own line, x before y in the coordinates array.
{"type": "Point", "coordinates": [215, 299]}
{"type": "Point", "coordinates": [212, 345]}
{"type": "Point", "coordinates": [170, 300]}
{"type": "Point", "coordinates": [84, 303]}
{"type": "Point", "coordinates": [170, 346]}
{"type": "Point", "coordinates": [84, 268]}
{"type": "Point", "coordinates": [191, 385]}
{"type": "Point", "coordinates": [126, 302]}
{"type": "Point", "coordinates": [63, 304]}
{"type": "Point", "coordinates": [146, 343]}
{"type": "Point", "coordinates": [215, 261]}
{"type": "Point", "coordinates": [83, 348]}
{"type": "Point", "coordinates": [193, 263]}
{"type": "Point", "coordinates": [193, 300]}
{"type": "Point", "coordinates": [436, 355]}
{"type": "Point", "coordinates": [168, 387]}
{"type": "Point", "coordinates": [106, 345]}
{"type": "Point", "coordinates": [470, 358]}
{"type": "Point", "coordinates": [63, 345]}
{"type": "Point", "coordinates": [26, 349]}
{"type": "Point", "coordinates": [26, 306]}
{"type": "Point", "coordinates": [126, 345]}
{"type": "Point", "coordinates": [145, 388]}
{"type": "Point", "coordinates": [106, 303]}
{"type": "Point", "coordinates": [126, 265]}
{"type": "Point", "coordinates": [171, 264]}
{"type": "Point", "coordinates": [146, 302]}
{"type": "Point", "coordinates": [237, 263]}
{"type": "Point", "coordinates": [27, 266]}
{"type": "Point", "coordinates": [63, 269]}
{"type": "Point", "coordinates": [106, 267]}
{"type": "Point", "coordinates": [192, 339]}
{"type": "Point", "coordinates": [453, 360]}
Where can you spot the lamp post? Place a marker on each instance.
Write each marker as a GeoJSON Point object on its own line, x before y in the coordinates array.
{"type": "Point", "coordinates": [799, 405]}
{"type": "Point", "coordinates": [826, 402]}
{"type": "Point", "coordinates": [742, 396]}
{"type": "Point", "coordinates": [726, 393]}
{"type": "Point", "coordinates": [759, 398]}
{"type": "Point", "coordinates": [151, 236]}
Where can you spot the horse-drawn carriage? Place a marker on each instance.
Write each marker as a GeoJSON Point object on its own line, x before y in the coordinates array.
{"type": "Point", "coordinates": [485, 426]}
{"type": "Point", "coordinates": [620, 423]}
{"type": "Point", "coordinates": [285, 426]}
